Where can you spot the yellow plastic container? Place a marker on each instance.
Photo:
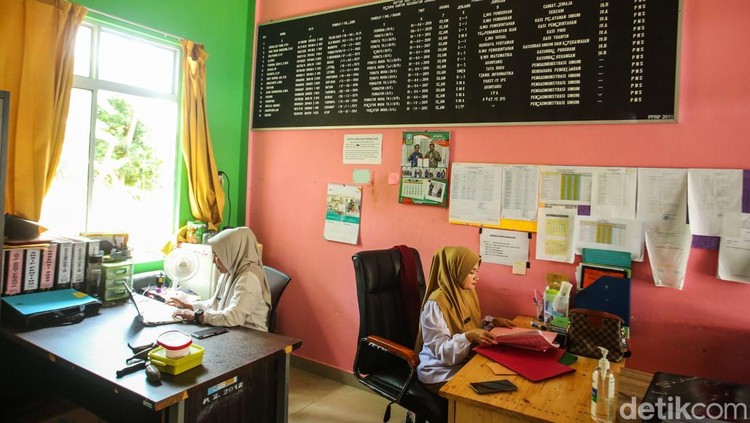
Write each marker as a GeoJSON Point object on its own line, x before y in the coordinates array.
{"type": "Point", "coordinates": [174, 366]}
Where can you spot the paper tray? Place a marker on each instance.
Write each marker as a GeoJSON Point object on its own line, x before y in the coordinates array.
{"type": "Point", "coordinates": [173, 366]}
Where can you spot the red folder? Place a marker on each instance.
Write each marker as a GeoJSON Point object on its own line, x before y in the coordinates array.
{"type": "Point", "coordinates": [533, 365]}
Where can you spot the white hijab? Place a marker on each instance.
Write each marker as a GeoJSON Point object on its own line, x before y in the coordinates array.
{"type": "Point", "coordinates": [237, 249]}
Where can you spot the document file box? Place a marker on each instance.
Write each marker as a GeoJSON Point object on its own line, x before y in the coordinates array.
{"type": "Point", "coordinates": [49, 308]}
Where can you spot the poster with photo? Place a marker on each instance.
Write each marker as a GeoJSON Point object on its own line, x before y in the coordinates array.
{"type": "Point", "coordinates": [343, 205]}
{"type": "Point", "coordinates": [424, 168]}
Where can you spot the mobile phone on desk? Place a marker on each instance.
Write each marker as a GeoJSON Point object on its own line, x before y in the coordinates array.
{"type": "Point", "coordinates": [205, 333]}
{"type": "Point", "coordinates": [493, 386]}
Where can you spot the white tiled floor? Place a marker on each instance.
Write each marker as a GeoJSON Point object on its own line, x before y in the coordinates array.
{"type": "Point", "coordinates": [317, 399]}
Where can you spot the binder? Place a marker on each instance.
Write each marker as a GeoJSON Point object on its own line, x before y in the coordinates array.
{"type": "Point", "coordinates": [64, 262]}
{"type": "Point", "coordinates": [78, 264]}
{"type": "Point", "coordinates": [13, 272]}
{"type": "Point", "coordinates": [31, 269]}
{"type": "Point", "coordinates": [608, 294]}
{"type": "Point", "coordinates": [47, 272]}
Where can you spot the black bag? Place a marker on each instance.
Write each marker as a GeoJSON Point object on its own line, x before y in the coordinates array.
{"type": "Point", "coordinates": [49, 308]}
{"type": "Point", "coordinates": [590, 329]}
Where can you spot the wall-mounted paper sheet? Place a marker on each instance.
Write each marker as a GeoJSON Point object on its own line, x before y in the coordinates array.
{"type": "Point", "coordinates": [520, 192]}
{"type": "Point", "coordinates": [363, 149]}
{"type": "Point", "coordinates": [734, 260]}
{"type": "Point", "coordinates": [475, 193]}
{"type": "Point", "coordinates": [734, 248]}
{"type": "Point", "coordinates": [343, 205]}
{"type": "Point", "coordinates": [565, 185]}
{"type": "Point", "coordinates": [668, 253]}
{"type": "Point", "coordinates": [503, 247]}
{"type": "Point", "coordinates": [554, 237]}
{"type": "Point", "coordinates": [612, 234]}
{"type": "Point", "coordinates": [361, 176]}
{"type": "Point", "coordinates": [711, 195]}
{"type": "Point", "coordinates": [613, 192]}
{"type": "Point", "coordinates": [662, 199]}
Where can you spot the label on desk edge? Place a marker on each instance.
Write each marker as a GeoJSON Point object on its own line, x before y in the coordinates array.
{"type": "Point", "coordinates": [221, 389]}
{"type": "Point", "coordinates": [222, 385]}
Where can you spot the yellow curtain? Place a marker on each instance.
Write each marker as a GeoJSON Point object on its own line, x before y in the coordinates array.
{"type": "Point", "coordinates": [37, 42]}
{"type": "Point", "coordinates": [205, 191]}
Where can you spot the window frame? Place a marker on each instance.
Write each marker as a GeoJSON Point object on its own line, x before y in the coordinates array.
{"type": "Point", "coordinates": [99, 24]}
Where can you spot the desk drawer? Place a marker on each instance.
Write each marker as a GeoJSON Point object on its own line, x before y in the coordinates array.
{"type": "Point", "coordinates": [116, 271]}
{"type": "Point", "coordinates": [116, 291]}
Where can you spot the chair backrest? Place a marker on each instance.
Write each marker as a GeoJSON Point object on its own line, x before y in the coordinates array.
{"type": "Point", "coordinates": [382, 310]}
{"type": "Point", "coordinates": [277, 282]}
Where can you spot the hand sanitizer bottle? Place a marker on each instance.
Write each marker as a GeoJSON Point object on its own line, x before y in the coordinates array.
{"type": "Point", "coordinates": [603, 391]}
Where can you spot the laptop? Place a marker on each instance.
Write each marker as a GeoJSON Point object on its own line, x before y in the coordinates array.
{"type": "Point", "coordinates": [152, 312]}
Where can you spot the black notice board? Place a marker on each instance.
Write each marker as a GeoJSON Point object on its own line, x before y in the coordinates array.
{"type": "Point", "coordinates": [469, 62]}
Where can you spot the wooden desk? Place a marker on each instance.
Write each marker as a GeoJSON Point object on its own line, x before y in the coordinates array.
{"type": "Point", "coordinates": [565, 398]}
{"type": "Point", "coordinates": [252, 366]}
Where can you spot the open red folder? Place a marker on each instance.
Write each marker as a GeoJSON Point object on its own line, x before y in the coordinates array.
{"type": "Point", "coordinates": [530, 339]}
{"type": "Point", "coordinates": [533, 365]}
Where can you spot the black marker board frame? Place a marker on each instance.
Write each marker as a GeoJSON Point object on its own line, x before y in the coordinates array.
{"type": "Point", "coordinates": [470, 62]}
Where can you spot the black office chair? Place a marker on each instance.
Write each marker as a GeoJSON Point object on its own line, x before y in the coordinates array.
{"type": "Point", "coordinates": [385, 361]}
{"type": "Point", "coordinates": [277, 282]}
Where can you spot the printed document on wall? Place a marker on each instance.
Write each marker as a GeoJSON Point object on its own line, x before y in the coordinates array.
{"type": "Point", "coordinates": [343, 205]}
{"type": "Point", "coordinates": [475, 194]}
{"type": "Point", "coordinates": [711, 195]}
{"type": "Point", "coordinates": [565, 185]}
{"type": "Point", "coordinates": [662, 199]}
{"type": "Point", "coordinates": [613, 192]}
{"type": "Point", "coordinates": [363, 148]}
{"type": "Point", "coordinates": [504, 247]}
{"type": "Point", "coordinates": [520, 191]}
{"type": "Point", "coordinates": [609, 234]}
{"type": "Point", "coordinates": [554, 237]}
{"type": "Point", "coordinates": [668, 253]}
{"type": "Point", "coordinates": [734, 248]}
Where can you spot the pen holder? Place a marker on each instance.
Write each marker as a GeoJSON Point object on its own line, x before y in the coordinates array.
{"type": "Point", "coordinates": [540, 311]}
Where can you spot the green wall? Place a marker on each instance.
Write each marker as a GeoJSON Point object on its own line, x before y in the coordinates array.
{"type": "Point", "coordinates": [225, 28]}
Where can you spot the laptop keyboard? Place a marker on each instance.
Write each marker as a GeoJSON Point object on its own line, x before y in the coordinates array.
{"type": "Point", "coordinates": [154, 310]}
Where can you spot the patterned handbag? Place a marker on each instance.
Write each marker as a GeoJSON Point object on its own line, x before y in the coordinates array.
{"type": "Point", "coordinates": [590, 329]}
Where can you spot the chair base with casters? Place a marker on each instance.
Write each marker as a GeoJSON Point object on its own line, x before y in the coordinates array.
{"type": "Point", "coordinates": [383, 362]}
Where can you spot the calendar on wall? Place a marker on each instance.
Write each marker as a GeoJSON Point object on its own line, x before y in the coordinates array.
{"type": "Point", "coordinates": [424, 168]}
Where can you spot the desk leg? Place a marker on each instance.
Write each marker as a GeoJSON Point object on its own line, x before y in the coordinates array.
{"type": "Point", "coordinates": [451, 411]}
{"type": "Point", "coordinates": [282, 389]}
{"type": "Point", "coordinates": [177, 412]}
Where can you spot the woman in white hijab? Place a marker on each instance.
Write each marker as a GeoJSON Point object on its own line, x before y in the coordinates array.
{"type": "Point", "coordinates": [242, 296]}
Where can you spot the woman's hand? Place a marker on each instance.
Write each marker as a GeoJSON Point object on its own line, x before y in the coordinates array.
{"type": "Point", "coordinates": [499, 322]}
{"type": "Point", "coordinates": [480, 336]}
{"type": "Point", "coordinates": [179, 303]}
{"type": "Point", "coordinates": [187, 315]}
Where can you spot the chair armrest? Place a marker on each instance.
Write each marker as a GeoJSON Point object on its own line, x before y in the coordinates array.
{"type": "Point", "coordinates": [396, 349]}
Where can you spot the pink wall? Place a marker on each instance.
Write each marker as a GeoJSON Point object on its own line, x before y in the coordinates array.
{"type": "Point", "coordinates": [701, 330]}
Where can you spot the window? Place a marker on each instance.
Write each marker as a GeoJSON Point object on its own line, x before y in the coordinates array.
{"type": "Point", "coordinates": [117, 171]}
